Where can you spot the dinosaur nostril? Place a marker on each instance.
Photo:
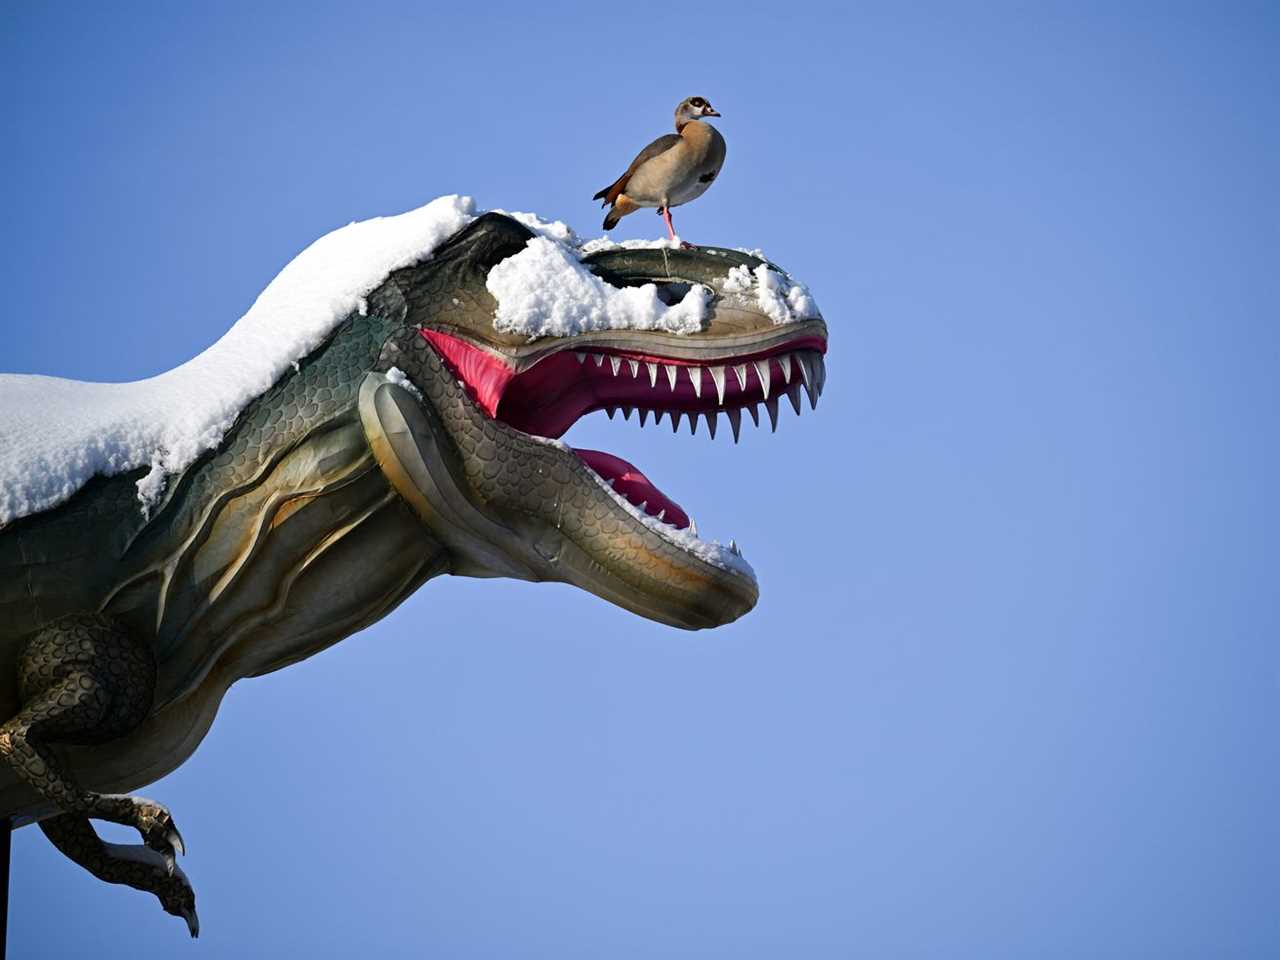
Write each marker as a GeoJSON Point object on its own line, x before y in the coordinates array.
{"type": "Point", "coordinates": [672, 293]}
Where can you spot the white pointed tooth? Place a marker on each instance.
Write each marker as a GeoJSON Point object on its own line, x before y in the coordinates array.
{"type": "Point", "coordinates": [762, 371]}
{"type": "Point", "coordinates": [626, 412]}
{"type": "Point", "coordinates": [580, 355]}
{"type": "Point", "coordinates": [662, 513]}
{"type": "Point", "coordinates": [653, 372]}
{"type": "Point", "coordinates": [809, 372]}
{"type": "Point", "coordinates": [634, 365]}
{"type": "Point", "coordinates": [693, 526]}
{"type": "Point", "coordinates": [754, 410]}
{"type": "Point", "coordinates": [772, 406]}
{"type": "Point", "coordinates": [610, 411]}
{"type": "Point", "coordinates": [793, 394]}
{"type": "Point", "coordinates": [806, 367]}
{"type": "Point", "coordinates": [675, 420]}
{"type": "Point", "coordinates": [785, 364]}
{"type": "Point", "coordinates": [671, 375]}
{"type": "Point", "coordinates": [643, 505]}
{"type": "Point", "coordinates": [822, 373]}
{"type": "Point", "coordinates": [615, 362]}
{"type": "Point", "coordinates": [809, 375]}
{"type": "Point", "coordinates": [643, 414]}
{"type": "Point", "coordinates": [695, 377]}
{"type": "Point", "coordinates": [710, 417]}
{"type": "Point", "coordinates": [613, 481]}
{"type": "Point", "coordinates": [740, 371]}
{"type": "Point", "coordinates": [717, 377]}
{"type": "Point", "coordinates": [735, 420]}
{"type": "Point", "coordinates": [599, 359]}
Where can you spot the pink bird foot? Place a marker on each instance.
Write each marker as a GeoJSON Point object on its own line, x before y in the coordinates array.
{"type": "Point", "coordinates": [671, 230]}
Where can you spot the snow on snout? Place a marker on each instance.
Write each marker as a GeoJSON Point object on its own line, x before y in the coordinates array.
{"type": "Point", "coordinates": [779, 297]}
{"type": "Point", "coordinates": [545, 291]}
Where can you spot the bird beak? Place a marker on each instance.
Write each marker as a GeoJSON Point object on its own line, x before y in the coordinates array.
{"type": "Point", "coordinates": [710, 113]}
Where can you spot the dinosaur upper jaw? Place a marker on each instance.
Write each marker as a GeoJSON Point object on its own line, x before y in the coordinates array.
{"type": "Point", "coordinates": [720, 384]}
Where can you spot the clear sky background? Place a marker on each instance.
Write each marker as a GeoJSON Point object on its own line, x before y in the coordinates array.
{"type": "Point", "coordinates": [1011, 688]}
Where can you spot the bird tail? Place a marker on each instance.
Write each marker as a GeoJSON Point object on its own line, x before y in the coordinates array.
{"type": "Point", "coordinates": [611, 193]}
{"type": "Point", "coordinates": [622, 205]}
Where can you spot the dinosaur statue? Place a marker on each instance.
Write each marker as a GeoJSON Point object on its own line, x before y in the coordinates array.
{"type": "Point", "coordinates": [416, 441]}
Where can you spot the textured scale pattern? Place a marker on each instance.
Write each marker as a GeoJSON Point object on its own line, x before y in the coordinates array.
{"type": "Point", "coordinates": [84, 680]}
{"type": "Point", "coordinates": [75, 837]}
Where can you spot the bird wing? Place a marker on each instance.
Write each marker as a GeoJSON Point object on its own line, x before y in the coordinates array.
{"type": "Point", "coordinates": [661, 145]}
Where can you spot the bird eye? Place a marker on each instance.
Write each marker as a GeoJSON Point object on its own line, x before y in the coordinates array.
{"type": "Point", "coordinates": [698, 102]}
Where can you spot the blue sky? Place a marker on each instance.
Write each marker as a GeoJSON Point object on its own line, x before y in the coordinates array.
{"type": "Point", "coordinates": [1011, 686]}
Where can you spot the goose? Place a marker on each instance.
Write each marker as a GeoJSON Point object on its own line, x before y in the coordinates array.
{"type": "Point", "coordinates": [674, 169]}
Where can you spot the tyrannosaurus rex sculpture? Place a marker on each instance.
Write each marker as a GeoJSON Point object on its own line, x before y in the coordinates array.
{"type": "Point", "coordinates": [416, 441]}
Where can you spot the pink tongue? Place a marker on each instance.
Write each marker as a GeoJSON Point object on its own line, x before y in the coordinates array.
{"type": "Point", "coordinates": [634, 485]}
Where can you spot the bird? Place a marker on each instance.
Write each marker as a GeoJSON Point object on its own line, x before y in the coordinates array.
{"type": "Point", "coordinates": [674, 169]}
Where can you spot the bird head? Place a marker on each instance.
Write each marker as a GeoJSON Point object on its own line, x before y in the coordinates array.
{"type": "Point", "coordinates": [694, 108]}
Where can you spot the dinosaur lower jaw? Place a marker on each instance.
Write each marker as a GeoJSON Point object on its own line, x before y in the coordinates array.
{"type": "Point", "coordinates": [549, 396]}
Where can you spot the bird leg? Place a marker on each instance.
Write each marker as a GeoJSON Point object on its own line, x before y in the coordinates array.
{"type": "Point", "coordinates": [671, 230]}
{"type": "Point", "coordinates": [666, 218]}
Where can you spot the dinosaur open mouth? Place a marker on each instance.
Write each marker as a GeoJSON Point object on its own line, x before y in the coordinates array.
{"type": "Point", "coordinates": [550, 394]}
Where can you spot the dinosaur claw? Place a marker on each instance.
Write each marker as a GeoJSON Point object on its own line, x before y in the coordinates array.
{"type": "Point", "coordinates": [193, 922]}
{"type": "Point", "coordinates": [175, 840]}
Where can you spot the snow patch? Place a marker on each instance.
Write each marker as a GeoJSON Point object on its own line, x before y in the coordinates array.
{"type": "Point", "coordinates": [604, 243]}
{"type": "Point", "coordinates": [545, 291]}
{"type": "Point", "coordinates": [556, 230]}
{"type": "Point", "coordinates": [779, 297]}
{"type": "Point", "coordinates": [739, 280]}
{"type": "Point", "coordinates": [401, 379]}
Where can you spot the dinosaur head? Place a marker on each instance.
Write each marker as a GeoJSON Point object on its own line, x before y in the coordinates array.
{"type": "Point", "coordinates": [470, 435]}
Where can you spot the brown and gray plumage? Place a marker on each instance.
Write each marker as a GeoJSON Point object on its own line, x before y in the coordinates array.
{"type": "Point", "coordinates": [674, 169]}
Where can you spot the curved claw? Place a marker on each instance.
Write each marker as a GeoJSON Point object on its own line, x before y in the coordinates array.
{"type": "Point", "coordinates": [193, 922]}
{"type": "Point", "coordinates": [175, 840]}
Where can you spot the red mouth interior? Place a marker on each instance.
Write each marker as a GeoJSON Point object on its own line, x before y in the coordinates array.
{"type": "Point", "coordinates": [635, 486]}
{"type": "Point", "coordinates": [549, 397]}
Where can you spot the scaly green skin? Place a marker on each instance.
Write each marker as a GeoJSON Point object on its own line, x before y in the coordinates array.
{"type": "Point", "coordinates": [335, 495]}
